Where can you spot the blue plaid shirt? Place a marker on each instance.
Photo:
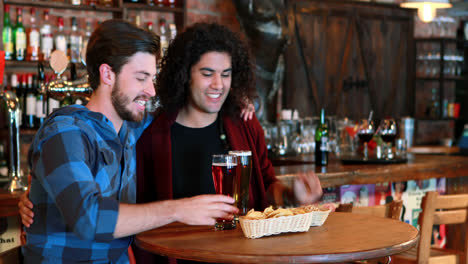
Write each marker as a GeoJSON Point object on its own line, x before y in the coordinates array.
{"type": "Point", "coordinates": [81, 170]}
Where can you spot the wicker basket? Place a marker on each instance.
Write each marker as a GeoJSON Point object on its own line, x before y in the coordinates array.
{"type": "Point", "coordinates": [319, 217]}
{"type": "Point", "coordinates": [273, 226]}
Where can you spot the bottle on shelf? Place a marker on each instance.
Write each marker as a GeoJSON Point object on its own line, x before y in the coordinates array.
{"type": "Point", "coordinates": [19, 35]}
{"type": "Point", "coordinates": [75, 42]}
{"type": "Point", "coordinates": [8, 44]}
{"type": "Point", "coordinates": [433, 108]}
{"type": "Point", "coordinates": [164, 35]}
{"type": "Point", "coordinates": [30, 102]}
{"type": "Point", "coordinates": [60, 38]}
{"type": "Point", "coordinates": [138, 20]}
{"type": "Point", "coordinates": [41, 107]}
{"type": "Point", "coordinates": [321, 141]}
{"type": "Point", "coordinates": [170, 3]}
{"type": "Point", "coordinates": [15, 87]}
{"type": "Point", "coordinates": [91, 2]}
{"type": "Point", "coordinates": [107, 3]}
{"type": "Point", "coordinates": [47, 41]}
{"type": "Point", "coordinates": [149, 26]}
{"type": "Point", "coordinates": [87, 35]}
{"type": "Point", "coordinates": [34, 39]}
{"type": "Point", "coordinates": [172, 31]}
{"type": "Point", "coordinates": [20, 92]}
{"type": "Point", "coordinates": [75, 2]}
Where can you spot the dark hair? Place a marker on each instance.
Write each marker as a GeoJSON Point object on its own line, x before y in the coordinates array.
{"type": "Point", "coordinates": [114, 42]}
{"type": "Point", "coordinates": [172, 83]}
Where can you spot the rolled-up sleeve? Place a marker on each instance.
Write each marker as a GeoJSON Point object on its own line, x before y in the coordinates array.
{"type": "Point", "coordinates": [62, 165]}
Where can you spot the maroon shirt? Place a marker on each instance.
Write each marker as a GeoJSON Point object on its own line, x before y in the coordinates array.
{"type": "Point", "coordinates": [154, 159]}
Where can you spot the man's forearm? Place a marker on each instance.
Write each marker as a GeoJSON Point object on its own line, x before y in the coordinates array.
{"type": "Point", "coordinates": [136, 218]}
{"type": "Point", "coordinates": [197, 210]}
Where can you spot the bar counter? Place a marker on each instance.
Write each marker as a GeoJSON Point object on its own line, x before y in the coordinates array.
{"type": "Point", "coordinates": [8, 203]}
{"type": "Point", "coordinates": [337, 174]}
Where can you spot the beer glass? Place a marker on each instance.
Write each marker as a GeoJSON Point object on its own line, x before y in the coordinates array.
{"type": "Point", "coordinates": [223, 169]}
{"type": "Point", "coordinates": [241, 189]}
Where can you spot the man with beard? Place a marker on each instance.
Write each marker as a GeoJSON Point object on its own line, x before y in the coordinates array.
{"type": "Point", "coordinates": [82, 161]}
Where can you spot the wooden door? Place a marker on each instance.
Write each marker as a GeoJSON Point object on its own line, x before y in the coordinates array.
{"type": "Point", "coordinates": [349, 57]}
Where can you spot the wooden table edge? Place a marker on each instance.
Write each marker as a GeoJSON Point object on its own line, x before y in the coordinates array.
{"type": "Point", "coordinates": [207, 255]}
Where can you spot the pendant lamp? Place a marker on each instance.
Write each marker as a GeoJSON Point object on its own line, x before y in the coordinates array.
{"type": "Point", "coordinates": [426, 8]}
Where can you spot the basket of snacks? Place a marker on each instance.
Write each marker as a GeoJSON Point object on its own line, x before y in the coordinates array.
{"type": "Point", "coordinates": [257, 224]}
{"type": "Point", "coordinates": [319, 214]}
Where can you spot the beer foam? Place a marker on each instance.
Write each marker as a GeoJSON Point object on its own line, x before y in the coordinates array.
{"type": "Point", "coordinates": [224, 164]}
{"type": "Point", "coordinates": [240, 152]}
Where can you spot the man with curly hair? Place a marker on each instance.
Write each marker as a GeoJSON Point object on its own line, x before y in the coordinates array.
{"type": "Point", "coordinates": [206, 80]}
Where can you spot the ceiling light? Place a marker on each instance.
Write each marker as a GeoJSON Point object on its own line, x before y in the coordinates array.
{"type": "Point", "coordinates": [426, 9]}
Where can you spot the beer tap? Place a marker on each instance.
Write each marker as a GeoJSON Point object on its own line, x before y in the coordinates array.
{"type": "Point", "coordinates": [59, 89]}
{"type": "Point", "coordinates": [14, 172]}
{"type": "Point", "coordinates": [13, 107]}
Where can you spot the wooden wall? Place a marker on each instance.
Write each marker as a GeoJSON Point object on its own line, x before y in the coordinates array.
{"type": "Point", "coordinates": [349, 57]}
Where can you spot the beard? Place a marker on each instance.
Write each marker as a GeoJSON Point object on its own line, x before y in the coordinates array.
{"type": "Point", "coordinates": [120, 102]}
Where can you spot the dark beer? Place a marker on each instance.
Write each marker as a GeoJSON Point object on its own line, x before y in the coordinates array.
{"type": "Point", "coordinates": [224, 174]}
{"type": "Point", "coordinates": [244, 171]}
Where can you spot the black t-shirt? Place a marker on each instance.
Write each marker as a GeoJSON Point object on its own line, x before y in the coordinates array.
{"type": "Point", "coordinates": [192, 149]}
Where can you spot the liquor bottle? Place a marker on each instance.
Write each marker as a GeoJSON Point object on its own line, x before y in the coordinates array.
{"type": "Point", "coordinates": [22, 79]}
{"type": "Point", "coordinates": [149, 26]}
{"type": "Point", "coordinates": [8, 44]}
{"type": "Point", "coordinates": [433, 108]}
{"type": "Point", "coordinates": [19, 35]}
{"type": "Point", "coordinates": [34, 38]}
{"type": "Point", "coordinates": [47, 41]}
{"type": "Point", "coordinates": [75, 42]}
{"type": "Point", "coordinates": [138, 20]}
{"type": "Point", "coordinates": [107, 3]}
{"type": "Point", "coordinates": [87, 35]}
{"type": "Point", "coordinates": [163, 36]}
{"type": "Point", "coordinates": [91, 2]}
{"type": "Point", "coordinates": [321, 141]}
{"type": "Point", "coordinates": [41, 108]}
{"type": "Point", "coordinates": [172, 31]}
{"type": "Point", "coordinates": [60, 38]}
{"type": "Point", "coordinates": [30, 101]}
{"type": "Point", "coordinates": [3, 165]}
{"type": "Point", "coordinates": [15, 87]}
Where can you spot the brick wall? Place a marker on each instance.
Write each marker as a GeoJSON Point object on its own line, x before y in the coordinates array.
{"type": "Point", "coordinates": [220, 11]}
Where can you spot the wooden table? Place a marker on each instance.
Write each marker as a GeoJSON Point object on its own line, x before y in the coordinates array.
{"type": "Point", "coordinates": [343, 237]}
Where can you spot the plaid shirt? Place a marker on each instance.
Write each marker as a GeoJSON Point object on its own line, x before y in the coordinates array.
{"type": "Point", "coordinates": [81, 170]}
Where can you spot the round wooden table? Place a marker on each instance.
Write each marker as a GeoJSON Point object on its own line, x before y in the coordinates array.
{"type": "Point", "coordinates": [343, 237]}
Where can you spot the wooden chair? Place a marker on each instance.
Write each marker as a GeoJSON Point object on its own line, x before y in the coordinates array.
{"type": "Point", "coordinates": [391, 210]}
{"type": "Point", "coordinates": [436, 210]}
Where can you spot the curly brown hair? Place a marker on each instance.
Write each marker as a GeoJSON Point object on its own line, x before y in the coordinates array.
{"type": "Point", "coordinates": [173, 81]}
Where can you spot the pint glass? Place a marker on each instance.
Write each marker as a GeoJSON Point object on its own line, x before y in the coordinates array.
{"type": "Point", "coordinates": [223, 169]}
{"type": "Point", "coordinates": [244, 170]}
